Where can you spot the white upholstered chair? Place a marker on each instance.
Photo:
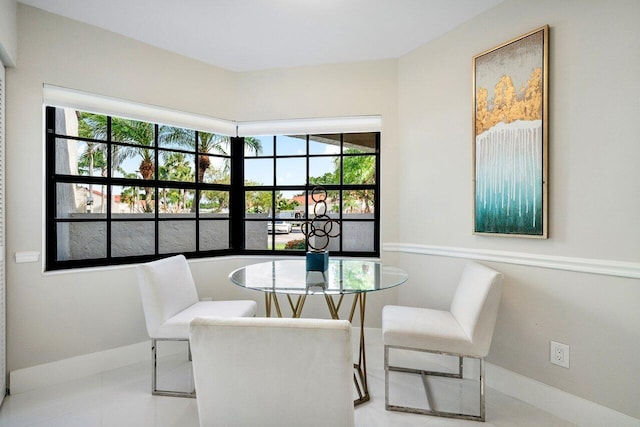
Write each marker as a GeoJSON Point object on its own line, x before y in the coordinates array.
{"type": "Point", "coordinates": [465, 330]}
{"type": "Point", "coordinates": [170, 302]}
{"type": "Point", "coordinates": [273, 372]}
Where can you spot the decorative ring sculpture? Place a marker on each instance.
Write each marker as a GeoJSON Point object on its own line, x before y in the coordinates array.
{"type": "Point", "coordinates": [321, 228]}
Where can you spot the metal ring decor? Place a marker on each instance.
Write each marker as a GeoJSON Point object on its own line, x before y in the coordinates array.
{"type": "Point", "coordinates": [321, 228]}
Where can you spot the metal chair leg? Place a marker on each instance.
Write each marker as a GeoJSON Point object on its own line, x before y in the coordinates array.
{"type": "Point", "coordinates": [154, 374]}
{"type": "Point", "coordinates": [153, 366]}
{"type": "Point", "coordinates": [425, 374]}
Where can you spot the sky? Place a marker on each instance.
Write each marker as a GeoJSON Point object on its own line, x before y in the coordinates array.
{"type": "Point", "coordinates": [290, 171]}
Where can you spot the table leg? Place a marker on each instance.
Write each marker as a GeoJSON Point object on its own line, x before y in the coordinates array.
{"type": "Point", "coordinates": [296, 309]}
{"type": "Point", "coordinates": [362, 385]}
{"type": "Point", "coordinates": [267, 304]}
{"type": "Point", "coordinates": [270, 298]}
{"type": "Point", "coordinates": [333, 309]}
{"type": "Point", "coordinates": [360, 368]}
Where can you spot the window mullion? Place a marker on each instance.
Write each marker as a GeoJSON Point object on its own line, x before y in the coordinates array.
{"type": "Point", "coordinates": [196, 192]}
{"type": "Point", "coordinates": [108, 186]}
{"type": "Point", "coordinates": [237, 195]}
{"type": "Point", "coordinates": [156, 190]}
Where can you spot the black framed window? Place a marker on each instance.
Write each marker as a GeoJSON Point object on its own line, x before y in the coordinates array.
{"type": "Point", "coordinates": [279, 188]}
{"type": "Point", "coordinates": [122, 191]}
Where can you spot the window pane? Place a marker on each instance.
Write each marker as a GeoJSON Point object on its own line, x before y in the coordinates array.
{"type": "Point", "coordinates": [132, 162]}
{"type": "Point", "coordinates": [177, 236]}
{"type": "Point", "coordinates": [291, 171]}
{"type": "Point", "coordinates": [213, 143]}
{"type": "Point", "coordinates": [290, 206]}
{"type": "Point", "coordinates": [129, 238]}
{"type": "Point", "coordinates": [358, 236]}
{"type": "Point", "coordinates": [256, 235]}
{"type": "Point", "coordinates": [176, 201]}
{"type": "Point", "coordinates": [214, 235]}
{"type": "Point", "coordinates": [81, 158]}
{"type": "Point", "coordinates": [76, 200]}
{"type": "Point", "coordinates": [173, 137]}
{"type": "Point", "coordinates": [132, 131]}
{"type": "Point", "coordinates": [258, 172]}
{"type": "Point", "coordinates": [360, 142]}
{"type": "Point", "coordinates": [323, 233]}
{"type": "Point", "coordinates": [258, 145]}
{"type": "Point", "coordinates": [214, 202]}
{"type": "Point", "coordinates": [359, 169]}
{"type": "Point", "coordinates": [131, 200]}
{"type": "Point", "coordinates": [177, 166]}
{"type": "Point", "coordinates": [214, 170]}
{"type": "Point", "coordinates": [324, 144]}
{"type": "Point", "coordinates": [90, 125]}
{"type": "Point", "coordinates": [81, 240]}
{"type": "Point", "coordinates": [297, 204]}
{"type": "Point", "coordinates": [258, 202]}
{"type": "Point", "coordinates": [324, 170]}
{"type": "Point", "coordinates": [324, 203]}
{"type": "Point", "coordinates": [359, 202]}
{"type": "Point", "coordinates": [291, 145]}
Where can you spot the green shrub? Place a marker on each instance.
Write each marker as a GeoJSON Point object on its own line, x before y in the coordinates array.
{"type": "Point", "coordinates": [296, 244]}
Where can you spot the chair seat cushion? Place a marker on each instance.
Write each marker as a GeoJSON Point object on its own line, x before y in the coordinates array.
{"type": "Point", "coordinates": [425, 329]}
{"type": "Point", "coordinates": [177, 327]}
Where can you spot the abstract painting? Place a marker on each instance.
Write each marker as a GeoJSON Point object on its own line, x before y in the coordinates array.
{"type": "Point", "coordinates": [510, 137]}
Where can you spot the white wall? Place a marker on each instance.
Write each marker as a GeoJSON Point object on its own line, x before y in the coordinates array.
{"type": "Point", "coordinates": [54, 316]}
{"type": "Point", "coordinates": [8, 32]}
{"type": "Point", "coordinates": [362, 88]}
{"type": "Point", "coordinates": [594, 191]}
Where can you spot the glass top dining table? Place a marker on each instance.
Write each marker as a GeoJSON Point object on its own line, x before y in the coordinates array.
{"type": "Point", "coordinates": [356, 277]}
{"type": "Point", "coordinates": [344, 276]}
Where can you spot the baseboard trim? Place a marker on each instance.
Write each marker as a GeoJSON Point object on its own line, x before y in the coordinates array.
{"type": "Point", "coordinates": [74, 368]}
{"type": "Point", "coordinates": [47, 374]}
{"type": "Point", "coordinates": [581, 265]}
{"type": "Point", "coordinates": [577, 410]}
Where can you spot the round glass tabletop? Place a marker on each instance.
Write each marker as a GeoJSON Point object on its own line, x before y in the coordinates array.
{"type": "Point", "coordinates": [344, 276]}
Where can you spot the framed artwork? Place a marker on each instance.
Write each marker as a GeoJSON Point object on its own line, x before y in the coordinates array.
{"type": "Point", "coordinates": [510, 91]}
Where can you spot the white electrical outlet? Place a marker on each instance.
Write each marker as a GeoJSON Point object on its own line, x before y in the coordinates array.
{"type": "Point", "coordinates": [559, 354]}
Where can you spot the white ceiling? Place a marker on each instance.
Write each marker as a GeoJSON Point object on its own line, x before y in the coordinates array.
{"type": "Point", "coordinates": [245, 35]}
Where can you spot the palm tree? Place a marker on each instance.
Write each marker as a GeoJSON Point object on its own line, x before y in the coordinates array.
{"type": "Point", "coordinates": [90, 159]}
{"type": "Point", "coordinates": [142, 135]}
{"type": "Point", "coordinates": [95, 154]}
{"type": "Point", "coordinates": [208, 143]}
{"type": "Point", "coordinates": [95, 126]}
{"type": "Point", "coordinates": [129, 195]}
{"type": "Point", "coordinates": [176, 167]}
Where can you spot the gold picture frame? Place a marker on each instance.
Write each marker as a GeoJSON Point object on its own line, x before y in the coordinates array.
{"type": "Point", "coordinates": [510, 137]}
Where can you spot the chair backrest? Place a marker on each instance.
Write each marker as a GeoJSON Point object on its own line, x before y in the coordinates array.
{"type": "Point", "coordinates": [166, 288]}
{"type": "Point", "coordinates": [273, 372]}
{"type": "Point", "coordinates": [475, 304]}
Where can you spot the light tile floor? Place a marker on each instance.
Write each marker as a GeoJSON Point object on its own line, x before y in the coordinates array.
{"type": "Point", "coordinates": [121, 398]}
